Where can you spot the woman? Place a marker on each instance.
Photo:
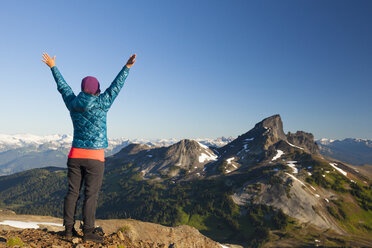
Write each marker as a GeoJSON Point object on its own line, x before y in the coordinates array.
{"type": "Point", "coordinates": [88, 111]}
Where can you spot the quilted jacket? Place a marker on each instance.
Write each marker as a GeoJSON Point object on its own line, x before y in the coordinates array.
{"type": "Point", "coordinates": [89, 112]}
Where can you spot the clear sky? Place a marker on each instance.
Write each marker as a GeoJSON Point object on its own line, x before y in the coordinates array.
{"type": "Point", "coordinates": [204, 68]}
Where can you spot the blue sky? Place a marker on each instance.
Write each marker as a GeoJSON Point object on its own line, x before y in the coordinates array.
{"type": "Point", "coordinates": [204, 68]}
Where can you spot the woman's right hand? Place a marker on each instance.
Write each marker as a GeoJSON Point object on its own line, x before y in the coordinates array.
{"type": "Point", "coordinates": [48, 60]}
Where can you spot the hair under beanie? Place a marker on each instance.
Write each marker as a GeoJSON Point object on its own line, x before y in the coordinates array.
{"type": "Point", "coordinates": [90, 85]}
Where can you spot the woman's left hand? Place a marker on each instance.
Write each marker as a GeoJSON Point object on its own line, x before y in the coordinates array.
{"type": "Point", "coordinates": [48, 60]}
{"type": "Point", "coordinates": [131, 61]}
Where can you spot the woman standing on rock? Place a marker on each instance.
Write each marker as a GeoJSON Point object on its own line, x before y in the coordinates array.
{"type": "Point", "coordinates": [88, 111]}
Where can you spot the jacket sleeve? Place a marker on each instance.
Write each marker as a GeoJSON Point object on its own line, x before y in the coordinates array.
{"type": "Point", "coordinates": [113, 90]}
{"type": "Point", "coordinates": [63, 88]}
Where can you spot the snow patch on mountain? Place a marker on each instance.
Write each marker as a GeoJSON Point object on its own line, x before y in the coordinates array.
{"type": "Point", "coordinates": [292, 164]}
{"type": "Point", "coordinates": [338, 169]}
{"type": "Point", "coordinates": [295, 178]}
{"type": "Point", "coordinates": [278, 155]}
{"type": "Point", "coordinates": [295, 146]}
{"type": "Point", "coordinates": [325, 141]}
{"type": "Point", "coordinates": [24, 224]}
{"type": "Point", "coordinates": [207, 156]}
{"type": "Point", "coordinates": [229, 160]}
{"type": "Point", "coordinates": [202, 145]}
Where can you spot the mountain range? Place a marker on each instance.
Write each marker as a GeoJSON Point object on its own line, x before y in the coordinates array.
{"type": "Point", "coordinates": [21, 152]}
{"type": "Point", "coordinates": [265, 186]}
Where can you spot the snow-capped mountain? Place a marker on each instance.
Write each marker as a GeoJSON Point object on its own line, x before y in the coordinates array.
{"type": "Point", "coordinates": [366, 142]}
{"type": "Point", "coordinates": [184, 157]}
{"type": "Point", "coordinates": [56, 141]}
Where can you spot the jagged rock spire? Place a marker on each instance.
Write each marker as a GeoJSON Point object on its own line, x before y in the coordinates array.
{"type": "Point", "coordinates": [274, 124]}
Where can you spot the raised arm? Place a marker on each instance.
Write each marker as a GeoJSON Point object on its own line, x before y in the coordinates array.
{"type": "Point", "coordinates": [113, 90]}
{"type": "Point", "coordinates": [63, 88]}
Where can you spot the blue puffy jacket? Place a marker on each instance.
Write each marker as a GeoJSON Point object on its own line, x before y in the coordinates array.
{"type": "Point", "coordinates": [89, 112]}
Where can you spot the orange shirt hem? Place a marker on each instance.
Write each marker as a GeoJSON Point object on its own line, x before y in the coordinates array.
{"type": "Point", "coordinates": [97, 154]}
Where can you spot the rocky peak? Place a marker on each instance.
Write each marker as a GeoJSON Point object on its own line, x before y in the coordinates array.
{"type": "Point", "coordinates": [304, 140]}
{"type": "Point", "coordinates": [260, 142]}
{"type": "Point", "coordinates": [186, 145]}
{"type": "Point", "coordinates": [268, 132]}
{"type": "Point", "coordinates": [275, 126]}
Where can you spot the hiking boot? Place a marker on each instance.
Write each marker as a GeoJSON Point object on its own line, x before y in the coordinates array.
{"type": "Point", "coordinates": [70, 232]}
{"type": "Point", "coordinates": [92, 235]}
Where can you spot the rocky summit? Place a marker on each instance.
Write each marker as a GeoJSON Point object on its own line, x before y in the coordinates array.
{"type": "Point", "coordinates": [115, 233]}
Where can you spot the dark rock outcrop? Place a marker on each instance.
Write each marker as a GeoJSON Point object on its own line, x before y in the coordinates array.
{"type": "Point", "coordinates": [304, 140]}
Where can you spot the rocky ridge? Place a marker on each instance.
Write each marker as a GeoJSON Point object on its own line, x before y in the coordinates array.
{"type": "Point", "coordinates": [116, 233]}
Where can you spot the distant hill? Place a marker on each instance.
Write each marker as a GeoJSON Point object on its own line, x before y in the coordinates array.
{"type": "Point", "coordinates": [353, 151]}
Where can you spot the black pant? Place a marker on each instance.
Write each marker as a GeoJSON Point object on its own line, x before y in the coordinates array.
{"type": "Point", "coordinates": [90, 172]}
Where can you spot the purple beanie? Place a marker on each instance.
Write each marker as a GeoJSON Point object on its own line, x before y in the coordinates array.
{"type": "Point", "coordinates": [90, 85]}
